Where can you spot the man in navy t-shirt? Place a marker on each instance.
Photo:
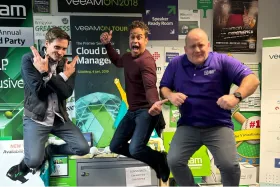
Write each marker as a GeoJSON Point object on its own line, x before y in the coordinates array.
{"type": "Point", "coordinates": [199, 84]}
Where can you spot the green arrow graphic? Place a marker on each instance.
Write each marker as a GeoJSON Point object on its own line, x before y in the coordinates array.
{"type": "Point", "coordinates": [172, 9]}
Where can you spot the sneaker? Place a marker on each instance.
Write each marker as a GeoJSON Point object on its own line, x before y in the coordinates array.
{"type": "Point", "coordinates": [15, 174]}
{"type": "Point", "coordinates": [157, 173]}
{"type": "Point", "coordinates": [164, 170]}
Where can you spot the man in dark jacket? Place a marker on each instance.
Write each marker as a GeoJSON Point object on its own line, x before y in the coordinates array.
{"type": "Point", "coordinates": [48, 81]}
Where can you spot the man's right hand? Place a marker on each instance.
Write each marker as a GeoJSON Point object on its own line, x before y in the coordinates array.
{"type": "Point", "coordinates": [106, 37]}
{"type": "Point", "coordinates": [41, 64]}
{"type": "Point", "coordinates": [177, 99]}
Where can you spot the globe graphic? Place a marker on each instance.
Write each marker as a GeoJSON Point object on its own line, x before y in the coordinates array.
{"type": "Point", "coordinates": [96, 113]}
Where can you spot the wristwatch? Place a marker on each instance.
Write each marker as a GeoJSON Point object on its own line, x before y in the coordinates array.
{"type": "Point", "coordinates": [238, 95]}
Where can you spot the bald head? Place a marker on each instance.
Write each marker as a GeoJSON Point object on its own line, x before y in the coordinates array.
{"type": "Point", "coordinates": [197, 46]}
{"type": "Point", "coordinates": [196, 33]}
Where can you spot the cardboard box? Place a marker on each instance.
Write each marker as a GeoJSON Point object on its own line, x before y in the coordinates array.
{"type": "Point", "coordinates": [248, 174]}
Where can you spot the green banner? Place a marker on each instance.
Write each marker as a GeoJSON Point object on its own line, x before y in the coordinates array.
{"type": "Point", "coordinates": [16, 36]}
{"type": "Point", "coordinates": [199, 163]}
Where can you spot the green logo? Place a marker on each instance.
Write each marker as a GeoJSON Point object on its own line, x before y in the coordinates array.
{"type": "Point", "coordinates": [18, 174]}
{"type": "Point", "coordinates": [172, 9]}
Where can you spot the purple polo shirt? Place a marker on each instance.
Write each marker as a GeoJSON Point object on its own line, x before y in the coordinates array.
{"type": "Point", "coordinates": [204, 85]}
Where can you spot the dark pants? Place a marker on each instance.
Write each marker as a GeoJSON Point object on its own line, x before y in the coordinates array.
{"type": "Point", "coordinates": [221, 143]}
{"type": "Point", "coordinates": [137, 126]}
{"type": "Point", "coordinates": [36, 135]}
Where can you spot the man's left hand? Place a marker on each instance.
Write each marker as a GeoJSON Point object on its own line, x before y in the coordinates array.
{"type": "Point", "coordinates": [227, 102]}
{"type": "Point", "coordinates": [69, 69]}
{"type": "Point", "coordinates": [157, 107]}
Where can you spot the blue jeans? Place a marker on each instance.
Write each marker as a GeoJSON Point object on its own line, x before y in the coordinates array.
{"type": "Point", "coordinates": [36, 135]}
{"type": "Point", "coordinates": [137, 126]}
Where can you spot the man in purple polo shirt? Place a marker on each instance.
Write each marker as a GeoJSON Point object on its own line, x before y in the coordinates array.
{"type": "Point", "coordinates": [199, 84]}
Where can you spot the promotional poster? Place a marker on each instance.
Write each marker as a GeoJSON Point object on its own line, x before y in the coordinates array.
{"type": "Point", "coordinates": [11, 153]}
{"type": "Point", "coordinates": [43, 23]}
{"type": "Point", "coordinates": [188, 20]}
{"type": "Point", "coordinates": [161, 16]}
{"type": "Point", "coordinates": [16, 36]}
{"type": "Point", "coordinates": [99, 91]}
{"type": "Point", "coordinates": [235, 26]}
{"type": "Point", "coordinates": [270, 116]}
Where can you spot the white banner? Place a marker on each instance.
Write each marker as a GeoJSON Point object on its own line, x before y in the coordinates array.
{"type": "Point", "coordinates": [170, 53]}
{"type": "Point", "coordinates": [270, 114]}
{"type": "Point", "coordinates": [11, 153]}
{"type": "Point", "coordinates": [158, 54]}
{"type": "Point", "coordinates": [43, 23]}
{"type": "Point", "coordinates": [188, 20]}
{"type": "Point", "coordinates": [16, 36]}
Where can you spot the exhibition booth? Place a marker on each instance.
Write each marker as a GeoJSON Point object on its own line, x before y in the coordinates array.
{"type": "Point", "coordinates": [99, 100]}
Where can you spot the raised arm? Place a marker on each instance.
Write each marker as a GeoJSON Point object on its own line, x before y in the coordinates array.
{"type": "Point", "coordinates": [115, 58]}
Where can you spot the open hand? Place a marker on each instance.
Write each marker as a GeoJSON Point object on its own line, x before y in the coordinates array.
{"type": "Point", "coordinates": [70, 68]}
{"type": "Point", "coordinates": [41, 64]}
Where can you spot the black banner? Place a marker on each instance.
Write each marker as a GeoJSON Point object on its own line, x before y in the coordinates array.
{"type": "Point", "coordinates": [95, 72]}
{"type": "Point", "coordinates": [101, 6]}
{"type": "Point", "coordinates": [15, 12]}
{"type": "Point", "coordinates": [99, 99]}
{"type": "Point", "coordinates": [41, 6]}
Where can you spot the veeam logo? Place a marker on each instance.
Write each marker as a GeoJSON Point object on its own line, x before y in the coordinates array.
{"type": "Point", "coordinates": [103, 2]}
{"type": "Point", "coordinates": [195, 162]}
{"type": "Point", "coordinates": [275, 56]}
{"type": "Point", "coordinates": [101, 28]}
{"type": "Point", "coordinates": [12, 12]}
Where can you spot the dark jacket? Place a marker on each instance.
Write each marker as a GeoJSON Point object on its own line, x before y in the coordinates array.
{"type": "Point", "coordinates": [36, 91]}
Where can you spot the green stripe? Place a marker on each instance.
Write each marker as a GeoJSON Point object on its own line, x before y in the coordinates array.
{"type": "Point", "coordinates": [271, 42]}
{"type": "Point", "coordinates": [6, 138]}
